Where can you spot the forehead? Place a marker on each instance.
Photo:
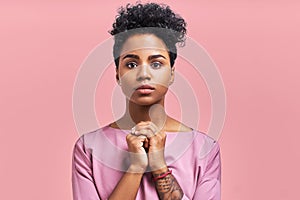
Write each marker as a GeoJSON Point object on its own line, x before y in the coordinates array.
{"type": "Point", "coordinates": [143, 42]}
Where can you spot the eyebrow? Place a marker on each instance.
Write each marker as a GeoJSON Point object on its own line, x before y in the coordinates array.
{"type": "Point", "coordinates": [156, 56]}
{"type": "Point", "coordinates": [130, 56]}
{"type": "Point", "coordinates": [149, 58]}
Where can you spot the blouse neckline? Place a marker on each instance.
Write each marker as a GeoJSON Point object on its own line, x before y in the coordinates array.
{"type": "Point", "coordinates": [127, 131]}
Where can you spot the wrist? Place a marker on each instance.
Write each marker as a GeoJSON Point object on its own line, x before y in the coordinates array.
{"type": "Point", "coordinates": [159, 171]}
{"type": "Point", "coordinates": [158, 165]}
{"type": "Point", "coordinates": [156, 177]}
{"type": "Point", "coordinates": [136, 169]}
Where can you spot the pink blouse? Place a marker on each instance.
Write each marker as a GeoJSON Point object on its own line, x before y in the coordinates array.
{"type": "Point", "coordinates": [100, 158]}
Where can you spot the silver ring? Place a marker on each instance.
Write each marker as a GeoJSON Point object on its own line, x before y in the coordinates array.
{"type": "Point", "coordinates": [133, 131]}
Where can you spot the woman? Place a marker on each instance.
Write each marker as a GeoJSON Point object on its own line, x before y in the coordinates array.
{"type": "Point", "coordinates": [145, 51]}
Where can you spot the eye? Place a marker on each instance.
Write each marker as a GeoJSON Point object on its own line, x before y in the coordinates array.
{"type": "Point", "coordinates": [156, 65]}
{"type": "Point", "coordinates": [131, 65]}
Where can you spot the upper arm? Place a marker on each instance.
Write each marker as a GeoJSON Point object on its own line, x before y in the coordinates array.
{"type": "Point", "coordinates": [209, 183]}
{"type": "Point", "coordinates": [83, 184]}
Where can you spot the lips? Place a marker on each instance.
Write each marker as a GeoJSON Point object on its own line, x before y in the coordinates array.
{"type": "Point", "coordinates": [145, 89]}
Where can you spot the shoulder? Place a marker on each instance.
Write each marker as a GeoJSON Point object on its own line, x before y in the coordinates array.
{"type": "Point", "coordinates": [204, 137]}
{"type": "Point", "coordinates": [88, 139]}
{"type": "Point", "coordinates": [206, 145]}
{"type": "Point", "coordinates": [177, 126]}
{"type": "Point", "coordinates": [89, 135]}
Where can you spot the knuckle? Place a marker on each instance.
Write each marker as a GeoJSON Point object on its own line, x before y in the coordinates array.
{"type": "Point", "coordinates": [128, 136]}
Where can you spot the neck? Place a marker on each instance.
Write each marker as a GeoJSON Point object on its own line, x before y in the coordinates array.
{"type": "Point", "coordinates": [136, 113]}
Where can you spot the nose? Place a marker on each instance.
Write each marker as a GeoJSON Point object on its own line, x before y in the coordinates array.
{"type": "Point", "coordinates": [143, 73]}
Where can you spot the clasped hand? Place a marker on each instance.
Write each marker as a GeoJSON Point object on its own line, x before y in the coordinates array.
{"type": "Point", "coordinates": [146, 145]}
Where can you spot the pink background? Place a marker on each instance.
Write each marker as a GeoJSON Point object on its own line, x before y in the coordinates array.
{"type": "Point", "coordinates": [255, 45]}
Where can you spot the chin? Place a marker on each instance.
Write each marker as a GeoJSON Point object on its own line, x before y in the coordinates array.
{"type": "Point", "coordinates": [145, 101]}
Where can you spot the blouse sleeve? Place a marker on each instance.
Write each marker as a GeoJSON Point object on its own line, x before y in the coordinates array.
{"type": "Point", "coordinates": [209, 184]}
{"type": "Point", "coordinates": [83, 184]}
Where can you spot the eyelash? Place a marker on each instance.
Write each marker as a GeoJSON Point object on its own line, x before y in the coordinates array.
{"type": "Point", "coordinates": [130, 63]}
{"type": "Point", "coordinates": [153, 65]}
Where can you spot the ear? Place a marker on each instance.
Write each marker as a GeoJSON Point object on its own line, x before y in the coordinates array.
{"type": "Point", "coordinates": [117, 77]}
{"type": "Point", "coordinates": [172, 75]}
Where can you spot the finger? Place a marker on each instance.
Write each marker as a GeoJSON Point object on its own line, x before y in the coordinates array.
{"type": "Point", "coordinates": [133, 129]}
{"type": "Point", "coordinates": [138, 127]}
{"type": "Point", "coordinates": [149, 126]}
{"type": "Point", "coordinates": [161, 134]}
{"type": "Point", "coordinates": [150, 123]}
{"type": "Point", "coordinates": [129, 137]}
{"type": "Point", "coordinates": [145, 132]}
{"type": "Point", "coordinates": [132, 138]}
{"type": "Point", "coordinates": [153, 127]}
{"type": "Point", "coordinates": [138, 142]}
{"type": "Point", "coordinates": [142, 137]}
{"type": "Point", "coordinates": [141, 126]}
{"type": "Point", "coordinates": [146, 143]}
{"type": "Point", "coordinates": [143, 122]}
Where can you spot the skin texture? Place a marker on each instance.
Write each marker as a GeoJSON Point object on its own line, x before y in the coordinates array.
{"type": "Point", "coordinates": [145, 60]}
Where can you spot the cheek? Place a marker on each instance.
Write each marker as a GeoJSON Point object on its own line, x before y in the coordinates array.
{"type": "Point", "coordinates": [127, 77]}
{"type": "Point", "coordinates": [163, 79]}
{"type": "Point", "coordinates": [127, 84]}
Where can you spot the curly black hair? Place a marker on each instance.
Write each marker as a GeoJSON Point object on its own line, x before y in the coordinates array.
{"type": "Point", "coordinates": [157, 19]}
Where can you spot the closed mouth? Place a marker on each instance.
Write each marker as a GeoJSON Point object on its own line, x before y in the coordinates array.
{"type": "Point", "coordinates": [145, 87]}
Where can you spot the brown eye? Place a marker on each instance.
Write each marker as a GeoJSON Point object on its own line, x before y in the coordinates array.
{"type": "Point", "coordinates": [131, 65]}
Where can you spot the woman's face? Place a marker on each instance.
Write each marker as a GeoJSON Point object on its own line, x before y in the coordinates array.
{"type": "Point", "coordinates": [144, 71]}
